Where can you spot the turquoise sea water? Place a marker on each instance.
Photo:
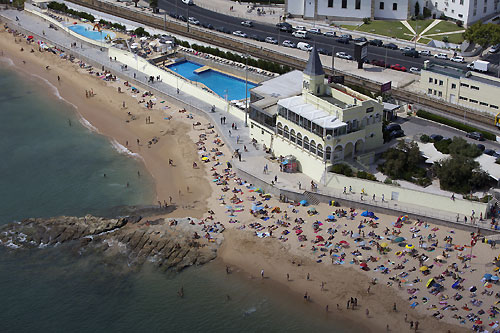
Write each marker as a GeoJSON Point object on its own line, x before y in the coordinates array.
{"type": "Point", "coordinates": [50, 168]}
{"type": "Point", "coordinates": [220, 83]}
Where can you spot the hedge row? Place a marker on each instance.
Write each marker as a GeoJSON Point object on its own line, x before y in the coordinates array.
{"type": "Point", "coordinates": [456, 124]}
{"type": "Point", "coordinates": [61, 7]}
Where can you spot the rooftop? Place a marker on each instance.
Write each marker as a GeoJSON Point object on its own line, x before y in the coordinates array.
{"type": "Point", "coordinates": [297, 105]}
{"type": "Point", "coordinates": [314, 66]}
{"type": "Point", "coordinates": [283, 86]}
{"type": "Point", "coordinates": [484, 79]}
{"type": "Point", "coordinates": [446, 70]}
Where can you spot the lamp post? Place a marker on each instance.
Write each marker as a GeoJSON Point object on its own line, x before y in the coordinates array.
{"type": "Point", "coordinates": [246, 90]}
{"type": "Point", "coordinates": [416, 34]}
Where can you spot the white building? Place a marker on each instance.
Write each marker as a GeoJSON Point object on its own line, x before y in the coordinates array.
{"type": "Point", "coordinates": [467, 11]}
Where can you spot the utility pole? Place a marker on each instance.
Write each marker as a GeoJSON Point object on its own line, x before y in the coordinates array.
{"type": "Point", "coordinates": [333, 60]}
{"type": "Point", "coordinates": [246, 90]}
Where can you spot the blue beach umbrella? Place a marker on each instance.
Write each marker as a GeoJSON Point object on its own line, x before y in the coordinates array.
{"type": "Point", "coordinates": [330, 217]}
{"type": "Point", "coordinates": [487, 276]}
{"type": "Point", "coordinates": [303, 202]}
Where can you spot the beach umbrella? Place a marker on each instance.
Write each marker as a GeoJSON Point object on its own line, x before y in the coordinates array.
{"type": "Point", "coordinates": [330, 217]}
{"type": "Point", "coordinates": [363, 265]}
{"type": "Point", "coordinates": [320, 238]}
{"type": "Point", "coordinates": [494, 278]}
{"type": "Point", "coordinates": [303, 202]}
{"type": "Point", "coordinates": [472, 289]}
{"type": "Point", "coordinates": [204, 158]}
{"type": "Point", "coordinates": [384, 245]}
{"type": "Point", "coordinates": [409, 246]}
{"type": "Point", "coordinates": [487, 276]}
{"type": "Point", "coordinates": [456, 284]}
{"type": "Point", "coordinates": [429, 283]}
{"type": "Point", "coordinates": [398, 239]}
{"type": "Point", "coordinates": [356, 235]}
{"type": "Point", "coordinates": [424, 268]}
{"type": "Point", "coordinates": [440, 257]}
{"type": "Point", "coordinates": [361, 243]}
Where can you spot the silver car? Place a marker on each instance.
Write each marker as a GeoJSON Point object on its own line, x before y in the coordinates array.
{"type": "Point", "coordinates": [271, 40]}
{"type": "Point", "coordinates": [343, 55]}
{"type": "Point", "coordinates": [240, 33]}
{"type": "Point", "coordinates": [289, 43]}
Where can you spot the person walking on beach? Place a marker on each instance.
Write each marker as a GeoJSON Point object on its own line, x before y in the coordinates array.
{"type": "Point", "coordinates": [262, 273]}
{"type": "Point", "coordinates": [287, 277]}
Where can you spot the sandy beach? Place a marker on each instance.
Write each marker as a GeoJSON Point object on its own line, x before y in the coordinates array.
{"type": "Point", "coordinates": [303, 251]}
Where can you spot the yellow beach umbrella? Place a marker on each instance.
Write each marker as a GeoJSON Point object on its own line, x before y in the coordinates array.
{"type": "Point", "coordinates": [409, 246]}
{"type": "Point", "coordinates": [384, 245]}
{"type": "Point", "coordinates": [424, 268]}
{"type": "Point", "coordinates": [431, 280]}
{"type": "Point", "coordinates": [204, 158]}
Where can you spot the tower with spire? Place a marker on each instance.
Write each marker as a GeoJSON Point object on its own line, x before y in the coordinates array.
{"type": "Point", "coordinates": [314, 77]}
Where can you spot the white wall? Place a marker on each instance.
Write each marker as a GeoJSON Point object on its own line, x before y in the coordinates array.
{"type": "Point", "coordinates": [388, 13]}
{"type": "Point", "coordinates": [295, 7]}
{"type": "Point", "coordinates": [349, 12]}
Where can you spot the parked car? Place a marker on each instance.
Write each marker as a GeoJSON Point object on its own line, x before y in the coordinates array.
{"type": "Point", "coordinates": [441, 56]}
{"type": "Point", "coordinates": [240, 33]}
{"type": "Point", "coordinates": [343, 40]}
{"type": "Point", "coordinates": [343, 55]}
{"type": "Point", "coordinates": [207, 25]}
{"type": "Point", "coordinates": [271, 40]}
{"type": "Point", "coordinates": [346, 36]}
{"type": "Point", "coordinates": [380, 63]}
{"type": "Point", "coordinates": [289, 43]}
{"type": "Point", "coordinates": [376, 42]}
{"type": "Point", "coordinates": [330, 34]}
{"type": "Point", "coordinates": [193, 21]}
{"type": "Point", "coordinates": [494, 48]}
{"type": "Point", "coordinates": [397, 134]}
{"type": "Point", "coordinates": [393, 127]}
{"type": "Point", "coordinates": [284, 26]}
{"type": "Point", "coordinates": [414, 70]}
{"type": "Point", "coordinates": [411, 53]}
{"type": "Point", "coordinates": [425, 53]}
{"type": "Point", "coordinates": [182, 18]}
{"type": "Point", "coordinates": [490, 152]}
{"type": "Point", "coordinates": [398, 67]}
{"type": "Point", "coordinates": [224, 30]}
{"type": "Point", "coordinates": [316, 31]}
{"type": "Point", "coordinates": [360, 39]}
{"type": "Point", "coordinates": [188, 2]}
{"type": "Point", "coordinates": [324, 51]}
{"type": "Point", "coordinates": [475, 135]}
{"type": "Point", "coordinates": [304, 46]}
{"type": "Point", "coordinates": [391, 46]}
{"type": "Point", "coordinates": [247, 24]}
{"type": "Point", "coordinates": [299, 28]}
{"type": "Point", "coordinates": [257, 38]}
{"type": "Point", "coordinates": [173, 15]}
{"type": "Point", "coordinates": [300, 34]}
{"type": "Point", "coordinates": [481, 147]}
{"type": "Point", "coordinates": [459, 59]}
{"type": "Point", "coordinates": [436, 137]}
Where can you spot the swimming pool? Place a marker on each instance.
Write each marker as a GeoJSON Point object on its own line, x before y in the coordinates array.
{"type": "Point", "coordinates": [88, 31]}
{"type": "Point", "coordinates": [220, 83]}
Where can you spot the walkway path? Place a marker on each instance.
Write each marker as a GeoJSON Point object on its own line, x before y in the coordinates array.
{"type": "Point", "coordinates": [408, 26]}
{"type": "Point", "coordinates": [430, 26]}
{"type": "Point", "coordinates": [253, 160]}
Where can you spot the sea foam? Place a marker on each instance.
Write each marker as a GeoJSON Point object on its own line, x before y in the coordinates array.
{"type": "Point", "coordinates": [123, 150]}
{"type": "Point", "coordinates": [88, 125]}
{"type": "Point", "coordinates": [8, 61]}
{"type": "Point", "coordinates": [55, 90]}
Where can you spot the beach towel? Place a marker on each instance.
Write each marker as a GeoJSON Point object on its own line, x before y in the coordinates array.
{"type": "Point", "coordinates": [414, 304]}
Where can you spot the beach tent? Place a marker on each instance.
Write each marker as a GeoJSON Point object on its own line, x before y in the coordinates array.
{"type": "Point", "coordinates": [303, 202]}
{"type": "Point", "coordinates": [430, 282]}
{"type": "Point", "coordinates": [424, 268]}
{"type": "Point", "coordinates": [367, 214]}
{"type": "Point", "coordinates": [398, 239]}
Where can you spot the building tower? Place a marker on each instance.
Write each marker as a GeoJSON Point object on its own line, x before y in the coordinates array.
{"type": "Point", "coordinates": [314, 77]}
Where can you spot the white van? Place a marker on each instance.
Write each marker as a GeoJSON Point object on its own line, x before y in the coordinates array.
{"type": "Point", "coordinates": [304, 46]}
{"type": "Point", "coordinates": [188, 2]}
{"type": "Point", "coordinates": [300, 34]}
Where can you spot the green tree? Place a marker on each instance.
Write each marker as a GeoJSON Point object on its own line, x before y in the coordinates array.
{"type": "Point", "coordinates": [483, 34]}
{"type": "Point", "coordinates": [417, 8]}
{"type": "Point", "coordinates": [461, 174]}
{"type": "Point", "coordinates": [153, 3]}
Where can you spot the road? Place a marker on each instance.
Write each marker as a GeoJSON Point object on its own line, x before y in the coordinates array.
{"type": "Point", "coordinates": [266, 30]}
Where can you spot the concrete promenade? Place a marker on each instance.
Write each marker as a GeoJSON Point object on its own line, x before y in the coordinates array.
{"type": "Point", "coordinates": [254, 160]}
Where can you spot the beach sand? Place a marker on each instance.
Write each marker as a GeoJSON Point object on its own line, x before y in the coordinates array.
{"type": "Point", "coordinates": [245, 252]}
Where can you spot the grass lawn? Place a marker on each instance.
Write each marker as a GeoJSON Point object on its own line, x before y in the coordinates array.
{"type": "Point", "coordinates": [424, 40]}
{"type": "Point", "coordinates": [452, 38]}
{"type": "Point", "coordinates": [444, 26]}
{"type": "Point", "coordinates": [422, 24]}
{"type": "Point", "coordinates": [386, 28]}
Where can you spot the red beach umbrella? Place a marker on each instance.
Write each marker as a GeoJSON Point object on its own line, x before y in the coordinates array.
{"type": "Point", "coordinates": [320, 238]}
{"type": "Point", "coordinates": [363, 265]}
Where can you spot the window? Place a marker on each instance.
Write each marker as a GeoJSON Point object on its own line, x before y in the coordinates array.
{"type": "Point", "coordinates": [330, 3]}
{"type": "Point", "coordinates": [358, 4]}
{"type": "Point", "coordinates": [445, 9]}
{"type": "Point", "coordinates": [280, 129]}
{"type": "Point", "coordinates": [328, 153]}
{"type": "Point", "coordinates": [453, 11]}
{"type": "Point", "coordinates": [440, 82]}
{"type": "Point", "coordinates": [461, 2]}
{"type": "Point", "coordinates": [484, 10]}
{"type": "Point", "coordinates": [286, 133]}
{"type": "Point", "coordinates": [474, 12]}
{"type": "Point", "coordinates": [395, 6]}
{"type": "Point", "coordinates": [435, 81]}
{"type": "Point", "coordinates": [483, 103]}
{"type": "Point", "coordinates": [474, 87]}
{"type": "Point", "coordinates": [473, 101]}
{"type": "Point", "coordinates": [463, 98]}
{"type": "Point", "coordinates": [460, 15]}
{"type": "Point", "coordinates": [381, 5]}
{"type": "Point", "coordinates": [493, 106]}
{"type": "Point", "coordinates": [299, 139]}
{"type": "Point", "coordinates": [428, 91]}
{"type": "Point", "coordinates": [370, 109]}
{"type": "Point", "coordinates": [312, 148]}
{"type": "Point", "coordinates": [436, 4]}
{"type": "Point", "coordinates": [464, 85]}
{"type": "Point", "coordinates": [320, 151]}
{"type": "Point", "coordinates": [430, 80]}
{"type": "Point", "coordinates": [344, 3]}
{"type": "Point", "coordinates": [435, 92]}
{"type": "Point", "coordinates": [440, 94]}
{"type": "Point", "coordinates": [306, 143]}
{"type": "Point", "coordinates": [292, 135]}
{"type": "Point", "coordinates": [453, 86]}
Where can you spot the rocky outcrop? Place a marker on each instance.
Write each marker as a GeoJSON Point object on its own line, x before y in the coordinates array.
{"type": "Point", "coordinates": [167, 243]}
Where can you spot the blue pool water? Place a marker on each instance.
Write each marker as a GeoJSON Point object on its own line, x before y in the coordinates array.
{"type": "Point", "coordinates": [87, 31]}
{"type": "Point", "coordinates": [220, 83]}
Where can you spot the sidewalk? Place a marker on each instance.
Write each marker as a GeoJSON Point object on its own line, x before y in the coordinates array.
{"type": "Point", "coordinates": [252, 161]}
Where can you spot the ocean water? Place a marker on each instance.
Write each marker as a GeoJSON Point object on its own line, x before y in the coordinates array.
{"type": "Point", "coordinates": [49, 168]}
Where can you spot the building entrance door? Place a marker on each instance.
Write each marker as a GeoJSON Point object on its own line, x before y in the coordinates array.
{"type": "Point", "coordinates": [309, 9]}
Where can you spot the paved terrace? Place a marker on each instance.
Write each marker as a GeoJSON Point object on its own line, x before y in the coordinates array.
{"type": "Point", "coordinates": [253, 160]}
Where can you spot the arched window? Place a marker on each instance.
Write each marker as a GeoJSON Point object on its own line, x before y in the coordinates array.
{"type": "Point", "coordinates": [299, 139]}
{"type": "Point", "coordinates": [306, 143]}
{"type": "Point", "coordinates": [328, 153]}
{"type": "Point", "coordinates": [320, 151]}
{"type": "Point", "coordinates": [280, 129]}
{"type": "Point", "coordinates": [292, 135]}
{"type": "Point", "coordinates": [286, 133]}
{"type": "Point", "coordinates": [312, 149]}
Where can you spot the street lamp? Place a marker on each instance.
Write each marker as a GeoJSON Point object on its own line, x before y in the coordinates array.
{"type": "Point", "coordinates": [246, 90]}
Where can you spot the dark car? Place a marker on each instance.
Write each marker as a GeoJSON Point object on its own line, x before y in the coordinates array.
{"type": "Point", "coordinates": [343, 40]}
{"type": "Point", "coordinates": [411, 53]}
{"type": "Point", "coordinates": [376, 42]}
{"type": "Point", "coordinates": [490, 152]}
{"type": "Point", "coordinates": [475, 135]}
{"type": "Point", "coordinates": [283, 26]}
{"type": "Point", "coordinates": [391, 46]}
{"type": "Point", "coordinates": [224, 30]}
{"type": "Point", "coordinates": [360, 40]}
{"type": "Point", "coordinates": [173, 15]}
{"type": "Point", "coordinates": [182, 18]}
{"type": "Point", "coordinates": [397, 134]}
{"type": "Point", "coordinates": [393, 127]}
{"type": "Point", "coordinates": [208, 26]}
{"type": "Point", "coordinates": [346, 36]}
{"type": "Point", "coordinates": [257, 38]}
{"type": "Point", "coordinates": [380, 63]}
{"type": "Point", "coordinates": [436, 137]}
{"type": "Point", "coordinates": [324, 51]}
{"type": "Point", "coordinates": [481, 147]}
